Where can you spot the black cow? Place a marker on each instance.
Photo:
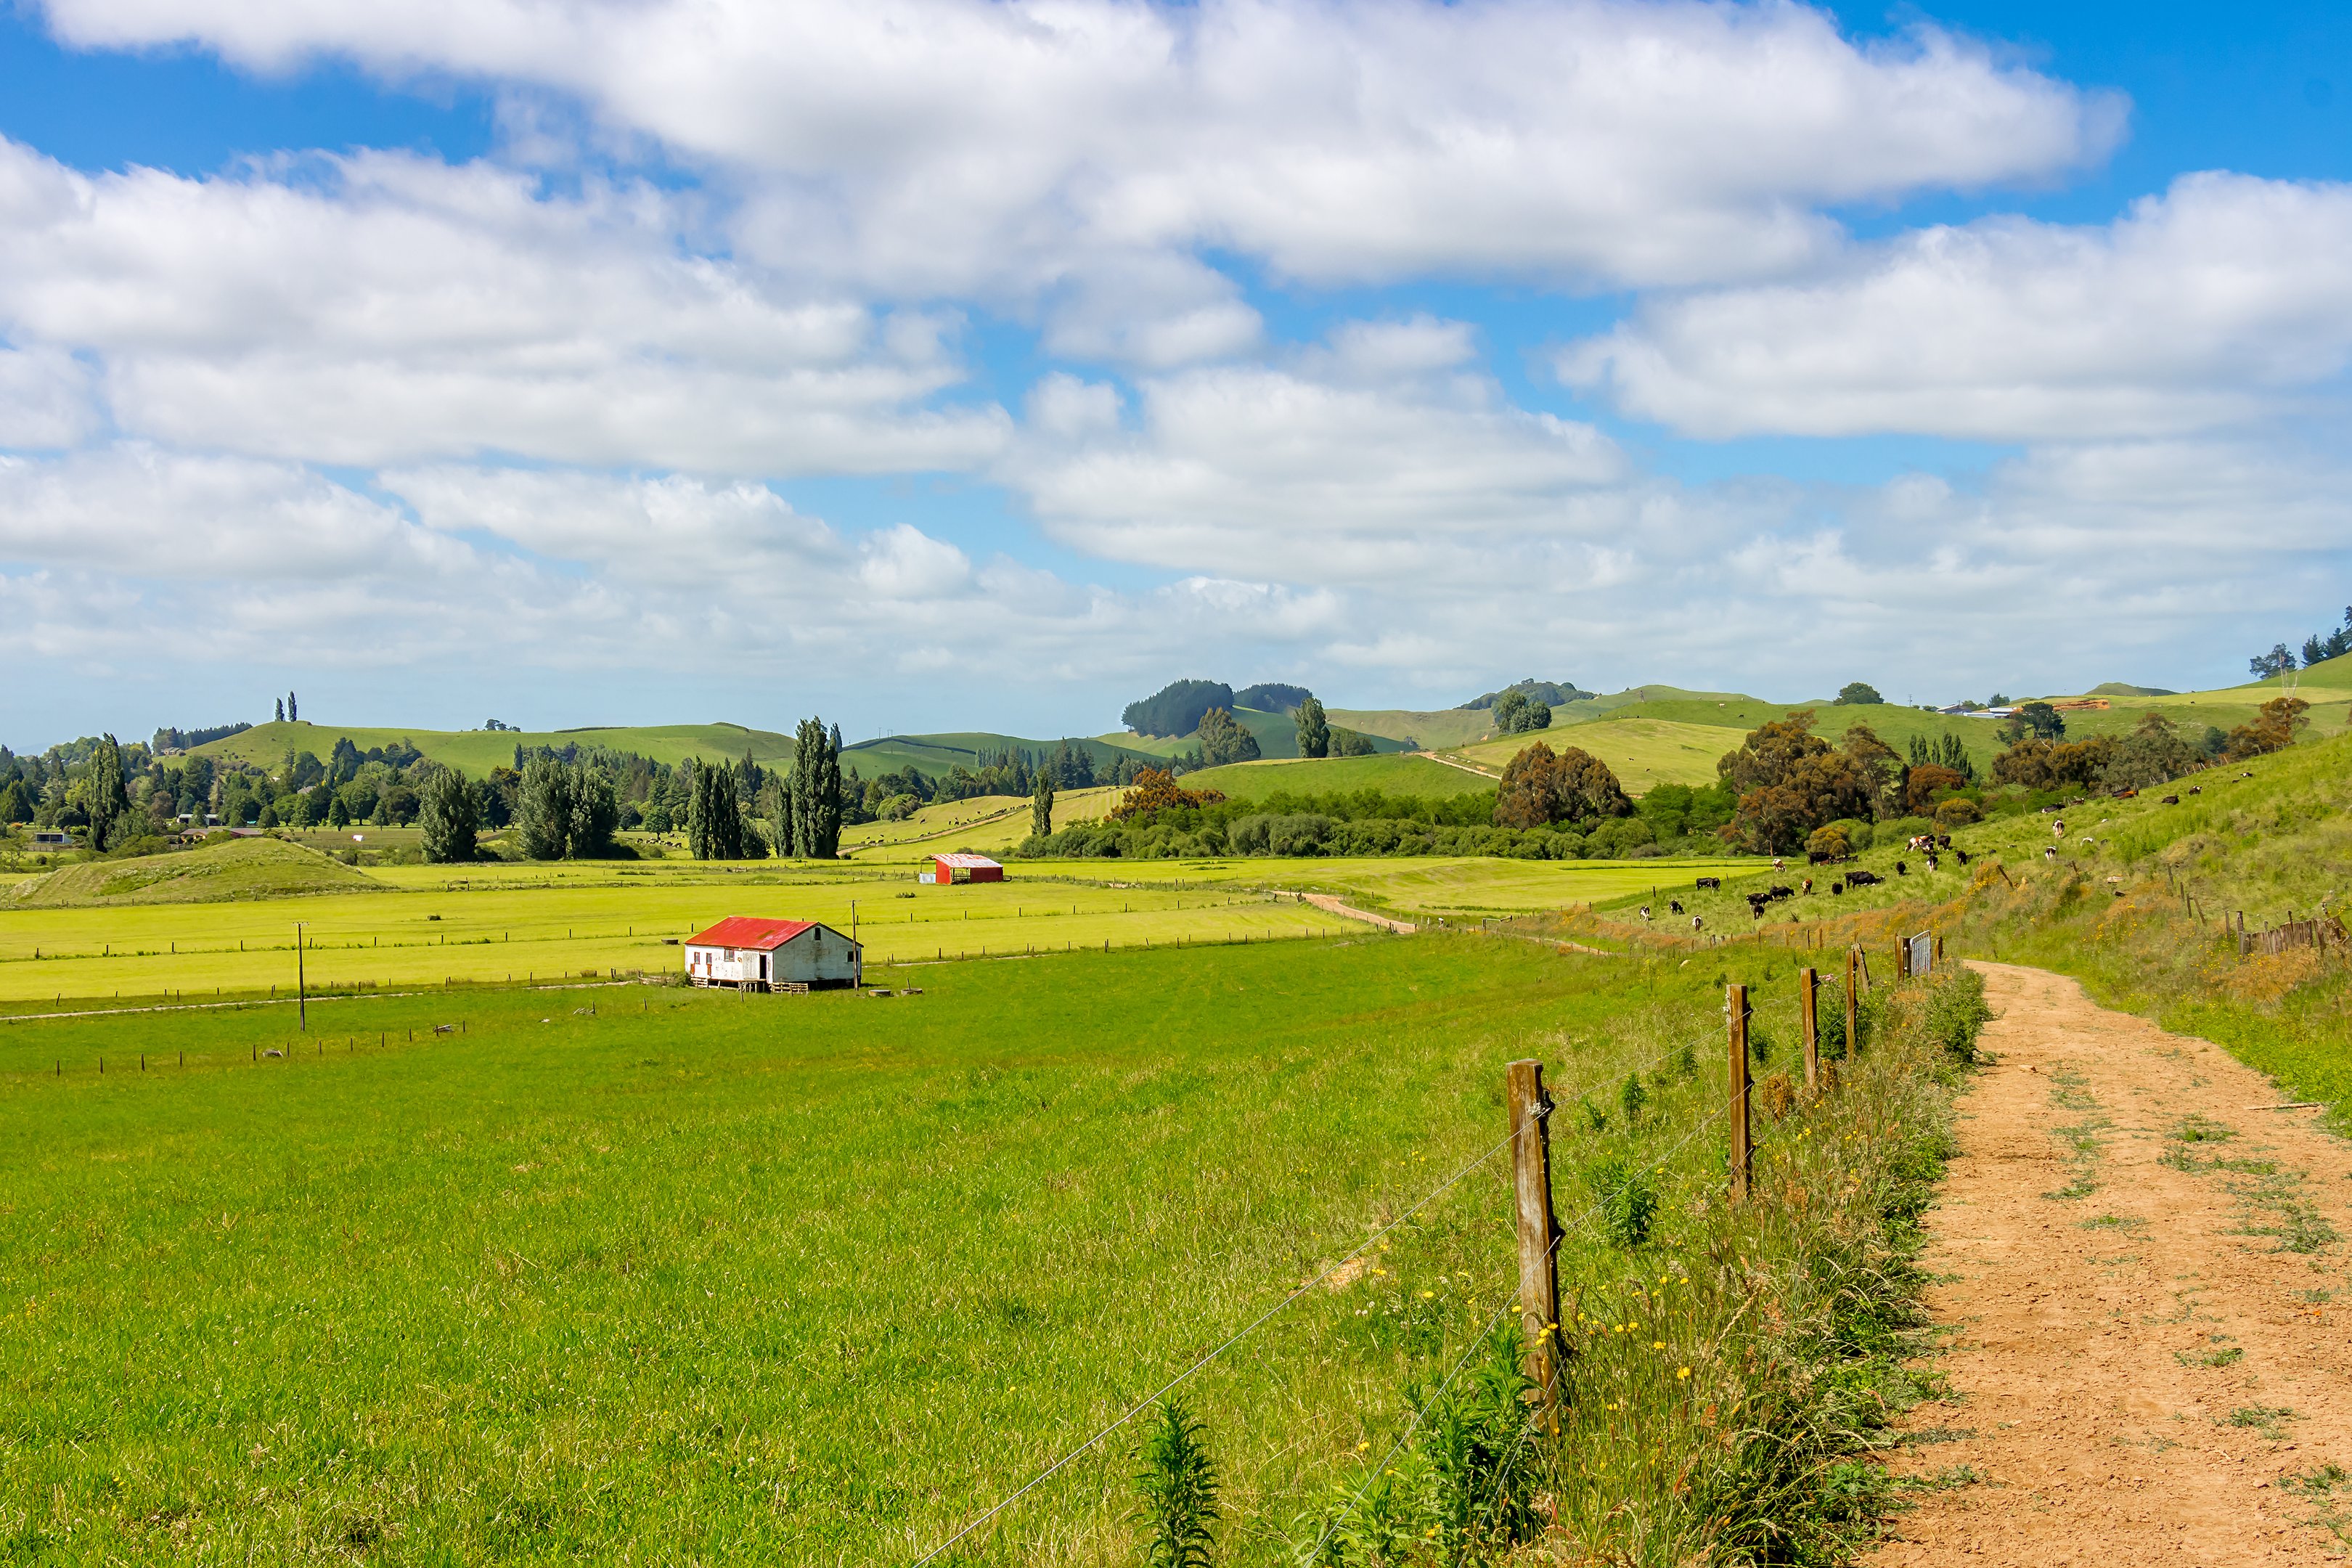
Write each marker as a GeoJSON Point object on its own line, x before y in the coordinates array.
{"type": "Point", "coordinates": [1675, 905]}
{"type": "Point", "coordinates": [2172, 800]}
{"type": "Point", "coordinates": [1860, 879]}
{"type": "Point", "coordinates": [1902, 868]}
{"type": "Point", "coordinates": [1710, 883]}
{"type": "Point", "coordinates": [1963, 856]}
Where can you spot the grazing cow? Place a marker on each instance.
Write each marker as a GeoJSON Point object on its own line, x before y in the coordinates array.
{"type": "Point", "coordinates": [1776, 892]}
{"type": "Point", "coordinates": [2058, 828]}
{"type": "Point", "coordinates": [2172, 800]}
{"type": "Point", "coordinates": [2196, 789]}
{"type": "Point", "coordinates": [1809, 886]}
{"type": "Point", "coordinates": [1675, 905]}
{"type": "Point", "coordinates": [1716, 882]}
{"type": "Point", "coordinates": [1780, 865]}
{"type": "Point", "coordinates": [1697, 922]}
{"type": "Point", "coordinates": [1932, 863]}
{"type": "Point", "coordinates": [1645, 912]}
{"type": "Point", "coordinates": [1943, 841]}
{"type": "Point", "coordinates": [1963, 855]}
{"type": "Point", "coordinates": [1817, 857]}
{"type": "Point", "coordinates": [2049, 852]}
{"type": "Point", "coordinates": [1902, 868]}
{"type": "Point", "coordinates": [1858, 878]}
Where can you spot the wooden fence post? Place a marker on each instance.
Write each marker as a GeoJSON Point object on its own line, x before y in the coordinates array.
{"type": "Point", "coordinates": [1852, 1002]}
{"type": "Point", "coordinates": [1539, 1229]}
{"type": "Point", "coordinates": [1902, 959]}
{"type": "Point", "coordinates": [1742, 1151]}
{"type": "Point", "coordinates": [1809, 984]}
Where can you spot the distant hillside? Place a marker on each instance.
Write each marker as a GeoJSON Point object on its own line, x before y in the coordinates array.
{"type": "Point", "coordinates": [934, 756]}
{"type": "Point", "coordinates": [2117, 689]}
{"type": "Point", "coordinates": [1392, 774]}
{"type": "Point", "coordinates": [1278, 736]}
{"type": "Point", "coordinates": [217, 873]}
{"type": "Point", "coordinates": [1176, 708]}
{"type": "Point", "coordinates": [1551, 693]}
{"type": "Point", "coordinates": [1272, 697]}
{"type": "Point", "coordinates": [1642, 753]}
{"type": "Point", "coordinates": [476, 752]}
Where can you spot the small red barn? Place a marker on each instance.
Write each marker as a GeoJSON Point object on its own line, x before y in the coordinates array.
{"type": "Point", "coordinates": [753, 955]}
{"type": "Point", "coordinates": [950, 868]}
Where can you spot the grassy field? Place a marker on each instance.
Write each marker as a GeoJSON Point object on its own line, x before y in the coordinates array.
{"type": "Point", "coordinates": [934, 756]}
{"type": "Point", "coordinates": [236, 868]}
{"type": "Point", "coordinates": [495, 922]}
{"type": "Point", "coordinates": [1642, 753]}
{"type": "Point", "coordinates": [1392, 774]}
{"type": "Point", "coordinates": [634, 1274]}
{"type": "Point", "coordinates": [477, 751]}
{"type": "Point", "coordinates": [987, 825]}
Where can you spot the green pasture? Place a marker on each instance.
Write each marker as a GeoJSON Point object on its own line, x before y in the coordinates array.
{"type": "Point", "coordinates": [987, 825]}
{"type": "Point", "coordinates": [631, 1273]}
{"type": "Point", "coordinates": [490, 933]}
{"type": "Point", "coordinates": [477, 751]}
{"type": "Point", "coordinates": [934, 756]}
{"type": "Point", "coordinates": [1642, 753]}
{"type": "Point", "coordinates": [1391, 774]}
{"type": "Point", "coordinates": [1444, 727]}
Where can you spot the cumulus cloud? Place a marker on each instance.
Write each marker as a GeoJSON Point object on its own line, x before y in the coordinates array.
{"type": "Point", "coordinates": [382, 308]}
{"type": "Point", "coordinates": [1378, 455]}
{"type": "Point", "coordinates": [961, 146]}
{"type": "Point", "coordinates": [2204, 307]}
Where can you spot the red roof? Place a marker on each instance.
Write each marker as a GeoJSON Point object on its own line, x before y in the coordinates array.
{"type": "Point", "coordinates": [747, 931]}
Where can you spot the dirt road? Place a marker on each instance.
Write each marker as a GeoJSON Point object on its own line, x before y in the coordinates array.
{"type": "Point", "coordinates": [2145, 1284]}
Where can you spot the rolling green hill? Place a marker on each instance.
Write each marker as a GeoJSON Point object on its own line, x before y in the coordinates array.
{"type": "Point", "coordinates": [236, 868]}
{"type": "Point", "coordinates": [476, 752]}
{"type": "Point", "coordinates": [933, 755]}
{"type": "Point", "coordinates": [1278, 736]}
{"type": "Point", "coordinates": [1392, 774]}
{"type": "Point", "coordinates": [1642, 753]}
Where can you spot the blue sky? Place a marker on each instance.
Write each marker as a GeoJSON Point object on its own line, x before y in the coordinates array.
{"type": "Point", "coordinates": [885, 361]}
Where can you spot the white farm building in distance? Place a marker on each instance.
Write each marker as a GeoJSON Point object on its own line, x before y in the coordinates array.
{"type": "Point", "coordinates": [752, 954]}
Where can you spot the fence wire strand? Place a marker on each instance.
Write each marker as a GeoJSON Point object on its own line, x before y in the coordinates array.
{"type": "Point", "coordinates": [1253, 1324]}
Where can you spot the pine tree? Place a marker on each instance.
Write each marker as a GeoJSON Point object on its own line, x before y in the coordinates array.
{"type": "Point", "coordinates": [281, 711]}
{"type": "Point", "coordinates": [293, 712]}
{"type": "Point", "coordinates": [449, 818]}
{"type": "Point", "coordinates": [1041, 805]}
{"type": "Point", "coordinates": [1314, 730]}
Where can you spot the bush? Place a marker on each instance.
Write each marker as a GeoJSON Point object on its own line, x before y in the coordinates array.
{"type": "Point", "coordinates": [1958, 811]}
{"type": "Point", "coordinates": [1627, 1194]}
{"type": "Point", "coordinates": [1958, 1012]}
{"type": "Point", "coordinates": [1828, 839]}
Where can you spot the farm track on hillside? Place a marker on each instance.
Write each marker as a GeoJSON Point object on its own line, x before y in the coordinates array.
{"type": "Point", "coordinates": [2140, 1264]}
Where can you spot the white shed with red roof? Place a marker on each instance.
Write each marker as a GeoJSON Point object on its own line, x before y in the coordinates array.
{"type": "Point", "coordinates": [753, 955]}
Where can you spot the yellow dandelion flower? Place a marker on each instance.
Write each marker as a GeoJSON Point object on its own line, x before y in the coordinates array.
{"type": "Point", "coordinates": [1657, 1344]}
{"type": "Point", "coordinates": [1682, 1373]}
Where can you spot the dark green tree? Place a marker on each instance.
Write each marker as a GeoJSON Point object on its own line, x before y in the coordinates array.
{"type": "Point", "coordinates": [816, 792]}
{"type": "Point", "coordinates": [543, 814]}
{"type": "Point", "coordinates": [448, 816]}
{"type": "Point", "coordinates": [1222, 739]}
{"type": "Point", "coordinates": [16, 804]}
{"type": "Point", "coordinates": [281, 711]}
{"type": "Point", "coordinates": [104, 800]}
{"type": "Point", "coordinates": [1314, 730]}
{"type": "Point", "coordinates": [1041, 805]}
{"type": "Point", "coordinates": [595, 815]}
{"type": "Point", "coordinates": [1858, 691]}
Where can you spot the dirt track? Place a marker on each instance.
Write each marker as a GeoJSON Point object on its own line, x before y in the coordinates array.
{"type": "Point", "coordinates": [2143, 1368]}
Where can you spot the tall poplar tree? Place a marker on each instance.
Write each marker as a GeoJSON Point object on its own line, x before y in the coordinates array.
{"type": "Point", "coordinates": [449, 818]}
{"type": "Point", "coordinates": [104, 800]}
{"type": "Point", "coordinates": [1041, 805]}
{"type": "Point", "coordinates": [544, 815]}
{"type": "Point", "coordinates": [816, 791]}
{"type": "Point", "coordinates": [1314, 730]}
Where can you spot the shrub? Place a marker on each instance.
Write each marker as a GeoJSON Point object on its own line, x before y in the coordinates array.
{"type": "Point", "coordinates": [1178, 1487]}
{"type": "Point", "coordinates": [1958, 811]}
{"type": "Point", "coordinates": [1830, 840]}
{"type": "Point", "coordinates": [1958, 1012]}
{"type": "Point", "coordinates": [1627, 1196]}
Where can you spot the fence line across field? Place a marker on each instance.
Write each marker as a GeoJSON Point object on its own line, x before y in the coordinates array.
{"type": "Point", "coordinates": [1519, 1126]}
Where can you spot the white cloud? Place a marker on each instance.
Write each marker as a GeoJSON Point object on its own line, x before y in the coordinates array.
{"type": "Point", "coordinates": [46, 399]}
{"type": "Point", "coordinates": [965, 146]}
{"type": "Point", "coordinates": [1372, 459]}
{"type": "Point", "coordinates": [382, 308]}
{"type": "Point", "coordinates": [2205, 307]}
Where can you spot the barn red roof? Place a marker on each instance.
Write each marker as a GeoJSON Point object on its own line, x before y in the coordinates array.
{"type": "Point", "coordinates": [748, 930]}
